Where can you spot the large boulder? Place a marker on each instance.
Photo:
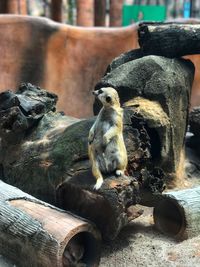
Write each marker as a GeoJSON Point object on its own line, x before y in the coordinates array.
{"type": "Point", "coordinates": [159, 88]}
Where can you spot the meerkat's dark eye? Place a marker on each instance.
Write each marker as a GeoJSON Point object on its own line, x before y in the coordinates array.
{"type": "Point", "coordinates": [100, 91]}
{"type": "Point", "coordinates": [108, 99]}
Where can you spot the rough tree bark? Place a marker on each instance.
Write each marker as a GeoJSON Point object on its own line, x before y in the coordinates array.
{"type": "Point", "coordinates": [52, 150]}
{"type": "Point", "coordinates": [116, 13]}
{"type": "Point", "coordinates": [85, 13]}
{"type": "Point", "coordinates": [169, 39]}
{"type": "Point", "coordinates": [34, 233]}
{"type": "Point", "coordinates": [177, 213]}
{"type": "Point", "coordinates": [56, 10]}
{"type": "Point", "coordinates": [100, 13]}
{"type": "Point", "coordinates": [13, 7]}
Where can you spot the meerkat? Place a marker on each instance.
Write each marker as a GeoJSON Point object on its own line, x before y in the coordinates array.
{"type": "Point", "coordinates": [106, 148]}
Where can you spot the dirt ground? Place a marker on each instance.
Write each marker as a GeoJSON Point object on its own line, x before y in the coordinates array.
{"type": "Point", "coordinates": [141, 245]}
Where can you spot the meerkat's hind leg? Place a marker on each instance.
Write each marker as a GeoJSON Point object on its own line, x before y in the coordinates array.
{"type": "Point", "coordinates": [99, 178]}
{"type": "Point", "coordinates": [99, 183]}
{"type": "Point", "coordinates": [95, 169]}
{"type": "Point", "coordinates": [97, 174]}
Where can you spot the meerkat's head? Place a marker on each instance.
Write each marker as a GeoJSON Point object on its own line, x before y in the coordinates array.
{"type": "Point", "coordinates": [108, 96]}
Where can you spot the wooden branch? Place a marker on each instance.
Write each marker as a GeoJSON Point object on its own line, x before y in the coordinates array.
{"type": "Point", "coordinates": [169, 39]}
{"type": "Point", "coordinates": [38, 234]}
{"type": "Point", "coordinates": [177, 213]}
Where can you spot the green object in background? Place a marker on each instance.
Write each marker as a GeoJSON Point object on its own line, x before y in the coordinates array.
{"type": "Point", "coordinates": [136, 13]}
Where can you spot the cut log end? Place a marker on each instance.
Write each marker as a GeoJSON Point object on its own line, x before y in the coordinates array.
{"type": "Point", "coordinates": [38, 234]}
{"type": "Point", "coordinates": [169, 218]}
{"type": "Point", "coordinates": [177, 213]}
{"type": "Point", "coordinates": [81, 250]}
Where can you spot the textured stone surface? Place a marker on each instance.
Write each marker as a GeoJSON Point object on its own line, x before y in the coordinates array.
{"type": "Point", "coordinates": [164, 81]}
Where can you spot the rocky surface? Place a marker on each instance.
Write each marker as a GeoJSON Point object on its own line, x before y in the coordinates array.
{"type": "Point", "coordinates": [161, 82]}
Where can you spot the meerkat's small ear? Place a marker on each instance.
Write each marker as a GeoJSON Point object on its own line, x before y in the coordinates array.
{"type": "Point", "coordinates": [108, 99]}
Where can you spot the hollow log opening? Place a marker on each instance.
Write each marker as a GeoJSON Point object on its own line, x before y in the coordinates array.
{"type": "Point", "coordinates": [82, 249]}
{"type": "Point", "coordinates": [155, 149]}
{"type": "Point", "coordinates": [169, 217]}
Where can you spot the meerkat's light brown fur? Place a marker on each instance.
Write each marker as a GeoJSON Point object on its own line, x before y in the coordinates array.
{"type": "Point", "coordinates": [107, 151]}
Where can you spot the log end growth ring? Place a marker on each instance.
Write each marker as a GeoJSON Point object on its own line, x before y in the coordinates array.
{"type": "Point", "coordinates": [169, 218]}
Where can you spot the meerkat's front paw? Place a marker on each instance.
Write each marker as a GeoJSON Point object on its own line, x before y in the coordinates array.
{"type": "Point", "coordinates": [119, 172]}
{"type": "Point", "coordinates": [98, 183]}
{"type": "Point", "coordinates": [105, 139]}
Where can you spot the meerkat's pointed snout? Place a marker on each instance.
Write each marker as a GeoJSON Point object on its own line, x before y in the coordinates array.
{"type": "Point", "coordinates": [95, 93]}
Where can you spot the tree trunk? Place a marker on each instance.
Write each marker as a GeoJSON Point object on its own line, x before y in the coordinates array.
{"type": "Point", "coordinates": [100, 13]}
{"type": "Point", "coordinates": [85, 13]}
{"type": "Point", "coordinates": [34, 233]}
{"type": "Point", "coordinates": [13, 7]}
{"type": "Point", "coordinates": [177, 213]}
{"type": "Point", "coordinates": [116, 13]}
{"type": "Point", "coordinates": [23, 7]}
{"type": "Point", "coordinates": [52, 150]}
{"type": "Point", "coordinates": [169, 39]}
{"type": "Point", "coordinates": [56, 10]}
{"type": "Point", "coordinates": [3, 5]}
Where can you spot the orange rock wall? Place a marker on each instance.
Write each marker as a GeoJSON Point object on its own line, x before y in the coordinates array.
{"type": "Point", "coordinates": [63, 59]}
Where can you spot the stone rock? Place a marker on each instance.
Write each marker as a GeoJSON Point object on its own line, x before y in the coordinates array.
{"type": "Point", "coordinates": [21, 111]}
{"type": "Point", "coordinates": [163, 82]}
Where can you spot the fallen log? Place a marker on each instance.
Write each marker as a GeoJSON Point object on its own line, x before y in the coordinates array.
{"type": "Point", "coordinates": [54, 154]}
{"type": "Point", "coordinates": [177, 213]}
{"type": "Point", "coordinates": [169, 39]}
{"type": "Point", "coordinates": [34, 233]}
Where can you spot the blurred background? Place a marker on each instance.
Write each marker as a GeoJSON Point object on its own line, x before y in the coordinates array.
{"type": "Point", "coordinates": [109, 13]}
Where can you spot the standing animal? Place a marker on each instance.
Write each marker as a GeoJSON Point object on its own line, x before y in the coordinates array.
{"type": "Point", "coordinates": [106, 148]}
